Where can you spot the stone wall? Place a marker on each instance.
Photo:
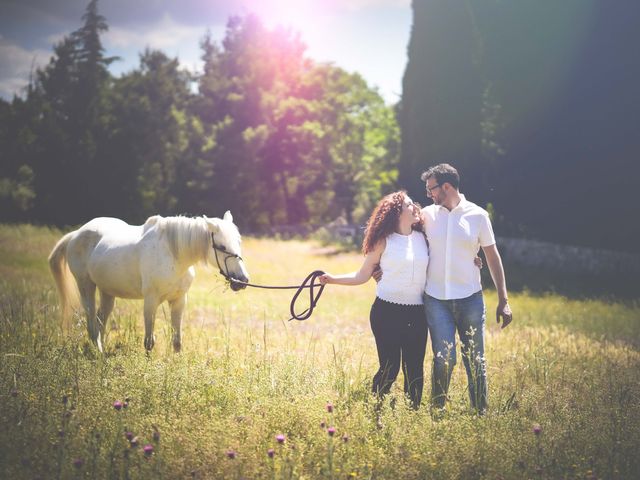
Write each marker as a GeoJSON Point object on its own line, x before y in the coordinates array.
{"type": "Point", "coordinates": [565, 258]}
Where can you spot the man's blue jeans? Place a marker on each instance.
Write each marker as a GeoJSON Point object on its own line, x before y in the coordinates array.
{"type": "Point", "coordinates": [467, 316]}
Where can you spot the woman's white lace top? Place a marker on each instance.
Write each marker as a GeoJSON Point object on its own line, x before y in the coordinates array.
{"type": "Point", "coordinates": [404, 269]}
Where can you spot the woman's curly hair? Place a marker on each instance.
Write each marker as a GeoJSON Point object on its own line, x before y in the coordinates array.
{"type": "Point", "coordinates": [384, 220]}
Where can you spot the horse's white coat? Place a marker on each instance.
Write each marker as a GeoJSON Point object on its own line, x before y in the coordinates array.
{"type": "Point", "coordinates": [153, 261]}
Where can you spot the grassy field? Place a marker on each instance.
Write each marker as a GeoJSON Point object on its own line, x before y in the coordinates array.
{"type": "Point", "coordinates": [564, 385]}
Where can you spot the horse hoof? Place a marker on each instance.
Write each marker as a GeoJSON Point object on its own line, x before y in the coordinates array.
{"type": "Point", "coordinates": [149, 343]}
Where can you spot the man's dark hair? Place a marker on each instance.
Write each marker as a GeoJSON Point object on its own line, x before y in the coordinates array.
{"type": "Point", "coordinates": [443, 173]}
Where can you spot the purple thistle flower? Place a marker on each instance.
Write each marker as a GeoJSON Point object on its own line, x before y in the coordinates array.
{"type": "Point", "coordinates": [322, 425]}
{"type": "Point", "coordinates": [125, 404]}
{"type": "Point", "coordinates": [148, 450]}
{"type": "Point", "coordinates": [271, 453]}
{"type": "Point", "coordinates": [330, 407]}
{"type": "Point", "coordinates": [231, 454]}
{"type": "Point", "coordinates": [345, 438]}
{"type": "Point", "coordinates": [78, 462]}
{"type": "Point", "coordinates": [280, 439]}
{"type": "Point", "coordinates": [331, 431]}
{"type": "Point", "coordinates": [537, 429]}
{"type": "Point", "coordinates": [117, 405]}
{"type": "Point", "coordinates": [128, 435]}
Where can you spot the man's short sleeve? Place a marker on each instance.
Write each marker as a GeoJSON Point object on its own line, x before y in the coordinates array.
{"type": "Point", "coordinates": [487, 238]}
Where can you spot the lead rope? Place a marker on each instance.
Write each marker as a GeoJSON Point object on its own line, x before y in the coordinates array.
{"type": "Point", "coordinates": [314, 295]}
{"type": "Point", "coordinates": [310, 280]}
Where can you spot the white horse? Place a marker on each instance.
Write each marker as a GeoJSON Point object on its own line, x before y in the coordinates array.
{"type": "Point", "coordinates": [153, 261]}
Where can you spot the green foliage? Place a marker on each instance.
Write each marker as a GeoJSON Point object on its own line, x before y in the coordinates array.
{"type": "Point", "coordinates": [566, 369]}
{"type": "Point", "coordinates": [269, 134]}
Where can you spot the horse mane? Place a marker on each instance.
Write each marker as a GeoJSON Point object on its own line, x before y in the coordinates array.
{"type": "Point", "coordinates": [188, 237]}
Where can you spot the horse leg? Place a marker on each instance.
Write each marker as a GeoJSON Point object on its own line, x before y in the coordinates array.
{"type": "Point", "coordinates": [106, 307]}
{"type": "Point", "coordinates": [177, 306]}
{"type": "Point", "coordinates": [150, 307]}
{"type": "Point", "coordinates": [88, 296]}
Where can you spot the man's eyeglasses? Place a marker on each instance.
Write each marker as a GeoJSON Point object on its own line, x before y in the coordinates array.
{"type": "Point", "coordinates": [431, 189]}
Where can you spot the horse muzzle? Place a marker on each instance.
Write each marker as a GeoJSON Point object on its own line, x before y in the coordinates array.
{"type": "Point", "coordinates": [236, 285]}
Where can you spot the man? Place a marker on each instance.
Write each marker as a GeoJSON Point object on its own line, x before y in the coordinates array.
{"type": "Point", "coordinates": [453, 300]}
{"type": "Point", "coordinates": [456, 229]}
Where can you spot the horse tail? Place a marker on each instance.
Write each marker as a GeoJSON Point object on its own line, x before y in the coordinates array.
{"type": "Point", "coordinates": [67, 288]}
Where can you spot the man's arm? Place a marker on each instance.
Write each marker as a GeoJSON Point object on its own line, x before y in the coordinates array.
{"type": "Point", "coordinates": [494, 263]}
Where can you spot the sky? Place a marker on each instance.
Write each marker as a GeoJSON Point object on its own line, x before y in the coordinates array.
{"type": "Point", "coordinates": [365, 36]}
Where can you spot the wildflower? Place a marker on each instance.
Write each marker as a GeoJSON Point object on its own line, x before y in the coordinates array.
{"type": "Point", "coordinates": [322, 425]}
{"type": "Point", "coordinates": [345, 438]}
{"type": "Point", "coordinates": [148, 450]}
{"type": "Point", "coordinates": [117, 405]}
{"type": "Point", "coordinates": [537, 429]}
{"type": "Point", "coordinates": [329, 407]}
{"type": "Point", "coordinates": [231, 454]}
{"type": "Point", "coordinates": [280, 439]}
{"type": "Point", "coordinates": [271, 453]}
{"type": "Point", "coordinates": [331, 431]}
{"type": "Point", "coordinates": [78, 462]}
{"type": "Point", "coordinates": [129, 435]}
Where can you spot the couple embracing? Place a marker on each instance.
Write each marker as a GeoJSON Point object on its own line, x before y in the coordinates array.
{"type": "Point", "coordinates": [429, 281]}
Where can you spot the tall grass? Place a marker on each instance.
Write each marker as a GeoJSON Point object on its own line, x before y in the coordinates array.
{"type": "Point", "coordinates": [564, 385]}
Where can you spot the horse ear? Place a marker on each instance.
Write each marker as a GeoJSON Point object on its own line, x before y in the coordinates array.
{"type": "Point", "coordinates": [227, 216]}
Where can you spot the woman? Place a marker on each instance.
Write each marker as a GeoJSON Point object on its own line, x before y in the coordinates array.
{"type": "Point", "coordinates": [394, 239]}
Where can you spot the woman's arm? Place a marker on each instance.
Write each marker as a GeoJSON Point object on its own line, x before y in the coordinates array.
{"type": "Point", "coordinates": [362, 275]}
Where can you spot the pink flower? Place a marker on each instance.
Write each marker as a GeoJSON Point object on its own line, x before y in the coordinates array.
{"type": "Point", "coordinates": [117, 405]}
{"type": "Point", "coordinates": [331, 431]}
{"type": "Point", "coordinates": [280, 439]}
{"type": "Point", "coordinates": [128, 435]}
{"type": "Point", "coordinates": [345, 438]}
{"type": "Point", "coordinates": [231, 454]}
{"type": "Point", "coordinates": [537, 429]}
{"type": "Point", "coordinates": [271, 453]}
{"type": "Point", "coordinates": [148, 450]}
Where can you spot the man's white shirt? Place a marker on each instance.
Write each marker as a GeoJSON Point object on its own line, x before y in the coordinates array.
{"type": "Point", "coordinates": [455, 237]}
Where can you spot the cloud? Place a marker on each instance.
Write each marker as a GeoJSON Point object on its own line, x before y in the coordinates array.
{"type": "Point", "coordinates": [16, 66]}
{"type": "Point", "coordinates": [163, 34]}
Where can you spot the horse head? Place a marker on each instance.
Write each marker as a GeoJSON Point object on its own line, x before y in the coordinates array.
{"type": "Point", "coordinates": [225, 250]}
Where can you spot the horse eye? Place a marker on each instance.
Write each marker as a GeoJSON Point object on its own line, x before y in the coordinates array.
{"type": "Point", "coordinates": [223, 248]}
